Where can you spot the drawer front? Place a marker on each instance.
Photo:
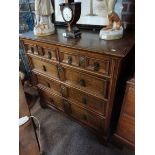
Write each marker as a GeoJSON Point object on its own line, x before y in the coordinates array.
{"type": "Point", "coordinates": [41, 49]}
{"type": "Point", "coordinates": [87, 117]}
{"type": "Point", "coordinates": [84, 100]}
{"type": "Point", "coordinates": [44, 67]}
{"type": "Point", "coordinates": [50, 84]}
{"type": "Point", "coordinates": [51, 99]}
{"type": "Point", "coordinates": [69, 58]}
{"type": "Point", "coordinates": [96, 64]}
{"type": "Point", "coordinates": [87, 82]}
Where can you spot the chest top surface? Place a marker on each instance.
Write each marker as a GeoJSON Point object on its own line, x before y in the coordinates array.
{"type": "Point", "coordinates": [89, 41]}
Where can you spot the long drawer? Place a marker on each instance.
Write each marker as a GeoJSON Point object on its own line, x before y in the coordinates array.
{"type": "Point", "coordinates": [44, 67]}
{"type": "Point", "coordinates": [76, 96]}
{"type": "Point", "coordinates": [87, 101]}
{"type": "Point", "coordinates": [84, 81]}
{"type": "Point", "coordinates": [71, 109]}
{"type": "Point", "coordinates": [87, 117]}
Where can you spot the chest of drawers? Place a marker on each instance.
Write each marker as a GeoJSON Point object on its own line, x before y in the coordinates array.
{"type": "Point", "coordinates": [78, 76]}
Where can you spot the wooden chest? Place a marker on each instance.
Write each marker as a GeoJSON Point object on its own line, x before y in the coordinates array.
{"type": "Point", "coordinates": [78, 76]}
{"type": "Point", "coordinates": [126, 124]}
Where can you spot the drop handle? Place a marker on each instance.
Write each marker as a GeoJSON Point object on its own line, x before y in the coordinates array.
{"type": "Point", "coordinates": [82, 83]}
{"type": "Point", "coordinates": [44, 68]}
{"type": "Point", "coordinates": [67, 107]}
{"type": "Point", "coordinates": [49, 55]}
{"type": "Point", "coordinates": [69, 60]}
{"type": "Point", "coordinates": [96, 66]}
{"type": "Point", "coordinates": [60, 69]}
{"type": "Point", "coordinates": [82, 61]}
{"type": "Point", "coordinates": [40, 51]}
{"type": "Point", "coordinates": [64, 91]}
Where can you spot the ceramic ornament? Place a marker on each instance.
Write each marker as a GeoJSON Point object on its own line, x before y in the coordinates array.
{"type": "Point", "coordinates": [114, 30]}
{"type": "Point", "coordinates": [43, 23]}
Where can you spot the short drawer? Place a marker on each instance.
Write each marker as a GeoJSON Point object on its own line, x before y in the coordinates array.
{"type": "Point", "coordinates": [87, 117]}
{"type": "Point", "coordinates": [86, 82]}
{"type": "Point", "coordinates": [41, 49]}
{"type": "Point", "coordinates": [51, 99]}
{"type": "Point", "coordinates": [88, 101]}
{"type": "Point", "coordinates": [95, 63]}
{"type": "Point", "coordinates": [50, 84]}
{"type": "Point", "coordinates": [44, 67]}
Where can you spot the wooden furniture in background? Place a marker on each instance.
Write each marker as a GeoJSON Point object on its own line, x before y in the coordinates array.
{"type": "Point", "coordinates": [28, 143]}
{"type": "Point", "coordinates": [126, 125]}
{"type": "Point", "coordinates": [78, 76]}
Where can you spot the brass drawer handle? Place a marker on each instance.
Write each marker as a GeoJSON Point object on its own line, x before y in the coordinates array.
{"type": "Point", "coordinates": [67, 107]}
{"type": "Point", "coordinates": [84, 100]}
{"type": "Point", "coordinates": [84, 117]}
{"type": "Point", "coordinates": [82, 61]}
{"type": "Point", "coordinates": [69, 60]}
{"type": "Point", "coordinates": [60, 69]}
{"type": "Point", "coordinates": [49, 55]}
{"type": "Point", "coordinates": [61, 73]}
{"type": "Point", "coordinates": [40, 51]}
{"type": "Point", "coordinates": [64, 91]}
{"type": "Point", "coordinates": [44, 68]}
{"type": "Point", "coordinates": [82, 83]}
{"type": "Point", "coordinates": [96, 66]}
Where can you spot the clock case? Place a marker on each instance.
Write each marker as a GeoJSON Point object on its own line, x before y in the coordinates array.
{"type": "Point", "coordinates": [72, 30]}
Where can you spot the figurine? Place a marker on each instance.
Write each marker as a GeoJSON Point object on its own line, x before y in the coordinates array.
{"type": "Point", "coordinates": [43, 12]}
{"type": "Point", "coordinates": [114, 29]}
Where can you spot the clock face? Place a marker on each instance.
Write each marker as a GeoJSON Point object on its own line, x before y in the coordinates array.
{"type": "Point", "coordinates": [67, 14]}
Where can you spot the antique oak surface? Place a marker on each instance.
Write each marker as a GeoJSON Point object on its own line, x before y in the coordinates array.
{"type": "Point", "coordinates": [126, 125]}
{"type": "Point", "coordinates": [78, 76]}
{"type": "Point", "coordinates": [89, 41]}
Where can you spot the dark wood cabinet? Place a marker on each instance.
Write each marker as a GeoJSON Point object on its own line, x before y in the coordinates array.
{"type": "Point", "coordinates": [126, 125]}
{"type": "Point", "coordinates": [78, 76]}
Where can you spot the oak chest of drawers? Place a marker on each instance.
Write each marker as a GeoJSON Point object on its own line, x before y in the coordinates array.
{"type": "Point", "coordinates": [78, 76]}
